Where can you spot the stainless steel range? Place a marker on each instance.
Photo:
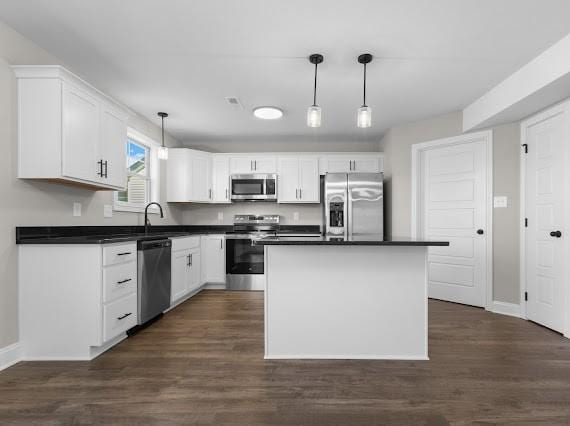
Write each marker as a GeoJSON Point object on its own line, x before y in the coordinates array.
{"type": "Point", "coordinates": [245, 262]}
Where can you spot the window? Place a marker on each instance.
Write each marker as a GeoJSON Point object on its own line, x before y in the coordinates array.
{"type": "Point", "coordinates": [142, 174]}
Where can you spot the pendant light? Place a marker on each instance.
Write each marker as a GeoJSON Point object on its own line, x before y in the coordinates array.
{"type": "Point", "coordinates": [163, 150]}
{"type": "Point", "coordinates": [314, 111]}
{"type": "Point", "coordinates": [364, 118]}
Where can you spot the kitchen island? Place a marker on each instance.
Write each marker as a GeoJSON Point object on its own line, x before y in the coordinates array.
{"type": "Point", "coordinates": [360, 297]}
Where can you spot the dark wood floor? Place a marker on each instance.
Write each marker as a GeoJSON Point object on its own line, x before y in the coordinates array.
{"type": "Point", "coordinates": [203, 364]}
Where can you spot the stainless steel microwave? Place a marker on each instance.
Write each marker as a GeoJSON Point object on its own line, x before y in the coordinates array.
{"type": "Point", "coordinates": [253, 187]}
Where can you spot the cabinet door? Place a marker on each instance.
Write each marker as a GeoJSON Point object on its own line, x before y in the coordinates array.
{"type": "Point", "coordinates": [113, 148]}
{"type": "Point", "coordinates": [215, 259]}
{"type": "Point", "coordinates": [178, 176]}
{"type": "Point", "coordinates": [288, 180]}
{"type": "Point", "coordinates": [221, 179]}
{"type": "Point", "coordinates": [309, 182]}
{"type": "Point", "coordinates": [240, 165]}
{"type": "Point", "coordinates": [338, 165]}
{"type": "Point", "coordinates": [366, 165]}
{"type": "Point", "coordinates": [265, 165]}
{"type": "Point", "coordinates": [80, 135]}
{"type": "Point", "coordinates": [195, 268]}
{"type": "Point", "coordinates": [200, 180]}
{"type": "Point", "coordinates": [180, 281]}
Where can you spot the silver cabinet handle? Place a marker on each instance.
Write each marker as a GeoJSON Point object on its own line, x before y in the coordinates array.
{"type": "Point", "coordinates": [188, 263]}
{"type": "Point", "coordinates": [124, 281]}
{"type": "Point", "coordinates": [296, 193]}
{"type": "Point", "coordinates": [190, 260]}
{"type": "Point", "coordinates": [124, 316]}
{"type": "Point", "coordinates": [300, 194]}
{"type": "Point", "coordinates": [251, 165]}
{"type": "Point", "coordinates": [221, 243]}
{"type": "Point", "coordinates": [354, 165]}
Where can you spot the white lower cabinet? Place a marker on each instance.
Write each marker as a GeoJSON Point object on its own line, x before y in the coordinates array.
{"type": "Point", "coordinates": [214, 259]}
{"type": "Point", "coordinates": [119, 316]}
{"type": "Point", "coordinates": [186, 267]}
{"type": "Point", "coordinates": [76, 300]}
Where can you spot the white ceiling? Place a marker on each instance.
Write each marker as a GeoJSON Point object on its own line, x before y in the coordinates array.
{"type": "Point", "coordinates": [184, 57]}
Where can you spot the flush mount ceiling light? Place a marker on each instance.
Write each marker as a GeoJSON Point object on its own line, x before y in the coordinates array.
{"type": "Point", "coordinates": [163, 150]}
{"type": "Point", "coordinates": [364, 118]}
{"type": "Point", "coordinates": [268, 112]}
{"type": "Point", "coordinates": [314, 111]}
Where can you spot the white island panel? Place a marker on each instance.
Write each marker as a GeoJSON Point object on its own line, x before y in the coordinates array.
{"type": "Point", "coordinates": [346, 302]}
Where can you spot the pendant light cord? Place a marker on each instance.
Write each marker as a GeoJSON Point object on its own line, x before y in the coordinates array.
{"type": "Point", "coordinates": [364, 97]}
{"type": "Point", "coordinates": [162, 118]}
{"type": "Point", "coordinates": [315, 88]}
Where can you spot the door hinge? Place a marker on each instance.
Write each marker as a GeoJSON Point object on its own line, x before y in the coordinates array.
{"type": "Point", "coordinates": [526, 296]}
{"type": "Point", "coordinates": [526, 222]}
{"type": "Point", "coordinates": [525, 146]}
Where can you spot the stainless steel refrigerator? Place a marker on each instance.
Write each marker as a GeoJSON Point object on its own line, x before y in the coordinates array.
{"type": "Point", "coordinates": [353, 204]}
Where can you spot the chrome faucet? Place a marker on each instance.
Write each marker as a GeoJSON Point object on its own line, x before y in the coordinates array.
{"type": "Point", "coordinates": [146, 220]}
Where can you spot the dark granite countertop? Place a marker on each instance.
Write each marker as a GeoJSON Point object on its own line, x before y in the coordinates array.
{"type": "Point", "coordinates": [360, 240]}
{"type": "Point", "coordinates": [118, 234]}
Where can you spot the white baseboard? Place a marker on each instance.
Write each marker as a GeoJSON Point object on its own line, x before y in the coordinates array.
{"type": "Point", "coordinates": [212, 286]}
{"type": "Point", "coordinates": [504, 308]}
{"type": "Point", "coordinates": [10, 355]}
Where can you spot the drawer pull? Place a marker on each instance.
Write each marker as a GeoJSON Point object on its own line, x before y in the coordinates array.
{"type": "Point", "coordinates": [124, 281]}
{"type": "Point", "coordinates": [124, 254]}
{"type": "Point", "coordinates": [124, 316]}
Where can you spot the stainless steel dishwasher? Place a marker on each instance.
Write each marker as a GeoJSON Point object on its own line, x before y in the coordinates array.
{"type": "Point", "coordinates": [153, 278]}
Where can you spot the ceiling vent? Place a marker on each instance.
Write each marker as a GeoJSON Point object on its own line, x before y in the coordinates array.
{"type": "Point", "coordinates": [234, 102]}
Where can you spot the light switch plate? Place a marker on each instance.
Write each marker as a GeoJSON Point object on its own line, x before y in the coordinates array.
{"type": "Point", "coordinates": [500, 202]}
{"type": "Point", "coordinates": [107, 210]}
{"type": "Point", "coordinates": [296, 216]}
{"type": "Point", "coordinates": [220, 216]}
{"type": "Point", "coordinates": [76, 209]}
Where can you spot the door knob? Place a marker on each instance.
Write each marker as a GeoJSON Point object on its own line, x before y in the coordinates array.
{"type": "Point", "coordinates": [556, 234]}
{"type": "Point", "coordinates": [480, 231]}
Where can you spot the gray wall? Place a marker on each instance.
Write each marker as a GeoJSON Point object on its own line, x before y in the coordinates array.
{"type": "Point", "coordinates": [27, 203]}
{"type": "Point", "coordinates": [396, 145]}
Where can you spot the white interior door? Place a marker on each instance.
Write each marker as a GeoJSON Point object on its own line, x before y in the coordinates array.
{"type": "Point", "coordinates": [544, 207]}
{"type": "Point", "coordinates": [453, 208]}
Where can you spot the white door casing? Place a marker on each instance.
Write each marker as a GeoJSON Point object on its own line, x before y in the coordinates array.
{"type": "Point", "coordinates": [451, 201]}
{"type": "Point", "coordinates": [544, 194]}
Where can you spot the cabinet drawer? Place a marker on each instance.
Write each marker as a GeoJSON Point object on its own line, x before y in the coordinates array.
{"type": "Point", "coordinates": [121, 253]}
{"type": "Point", "coordinates": [119, 316]}
{"type": "Point", "coordinates": [185, 243]}
{"type": "Point", "coordinates": [119, 280]}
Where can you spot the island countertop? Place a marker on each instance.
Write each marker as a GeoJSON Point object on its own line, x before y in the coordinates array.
{"type": "Point", "coordinates": [356, 240]}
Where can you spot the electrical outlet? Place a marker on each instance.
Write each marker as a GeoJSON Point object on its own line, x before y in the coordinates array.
{"type": "Point", "coordinates": [107, 210]}
{"type": "Point", "coordinates": [220, 216]}
{"type": "Point", "coordinates": [76, 209]}
{"type": "Point", "coordinates": [295, 215]}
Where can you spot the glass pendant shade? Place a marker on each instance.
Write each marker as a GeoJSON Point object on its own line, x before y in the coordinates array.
{"type": "Point", "coordinates": [364, 116]}
{"type": "Point", "coordinates": [163, 153]}
{"type": "Point", "coordinates": [314, 116]}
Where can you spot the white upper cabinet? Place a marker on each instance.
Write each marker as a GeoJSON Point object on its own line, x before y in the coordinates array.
{"type": "Point", "coordinates": [69, 131]}
{"type": "Point", "coordinates": [298, 180]}
{"type": "Point", "coordinates": [352, 163]}
{"type": "Point", "coordinates": [253, 164]}
{"type": "Point", "coordinates": [112, 148]}
{"type": "Point", "coordinates": [188, 176]}
{"type": "Point", "coordinates": [221, 178]}
{"type": "Point", "coordinates": [80, 135]}
{"type": "Point", "coordinates": [201, 178]}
